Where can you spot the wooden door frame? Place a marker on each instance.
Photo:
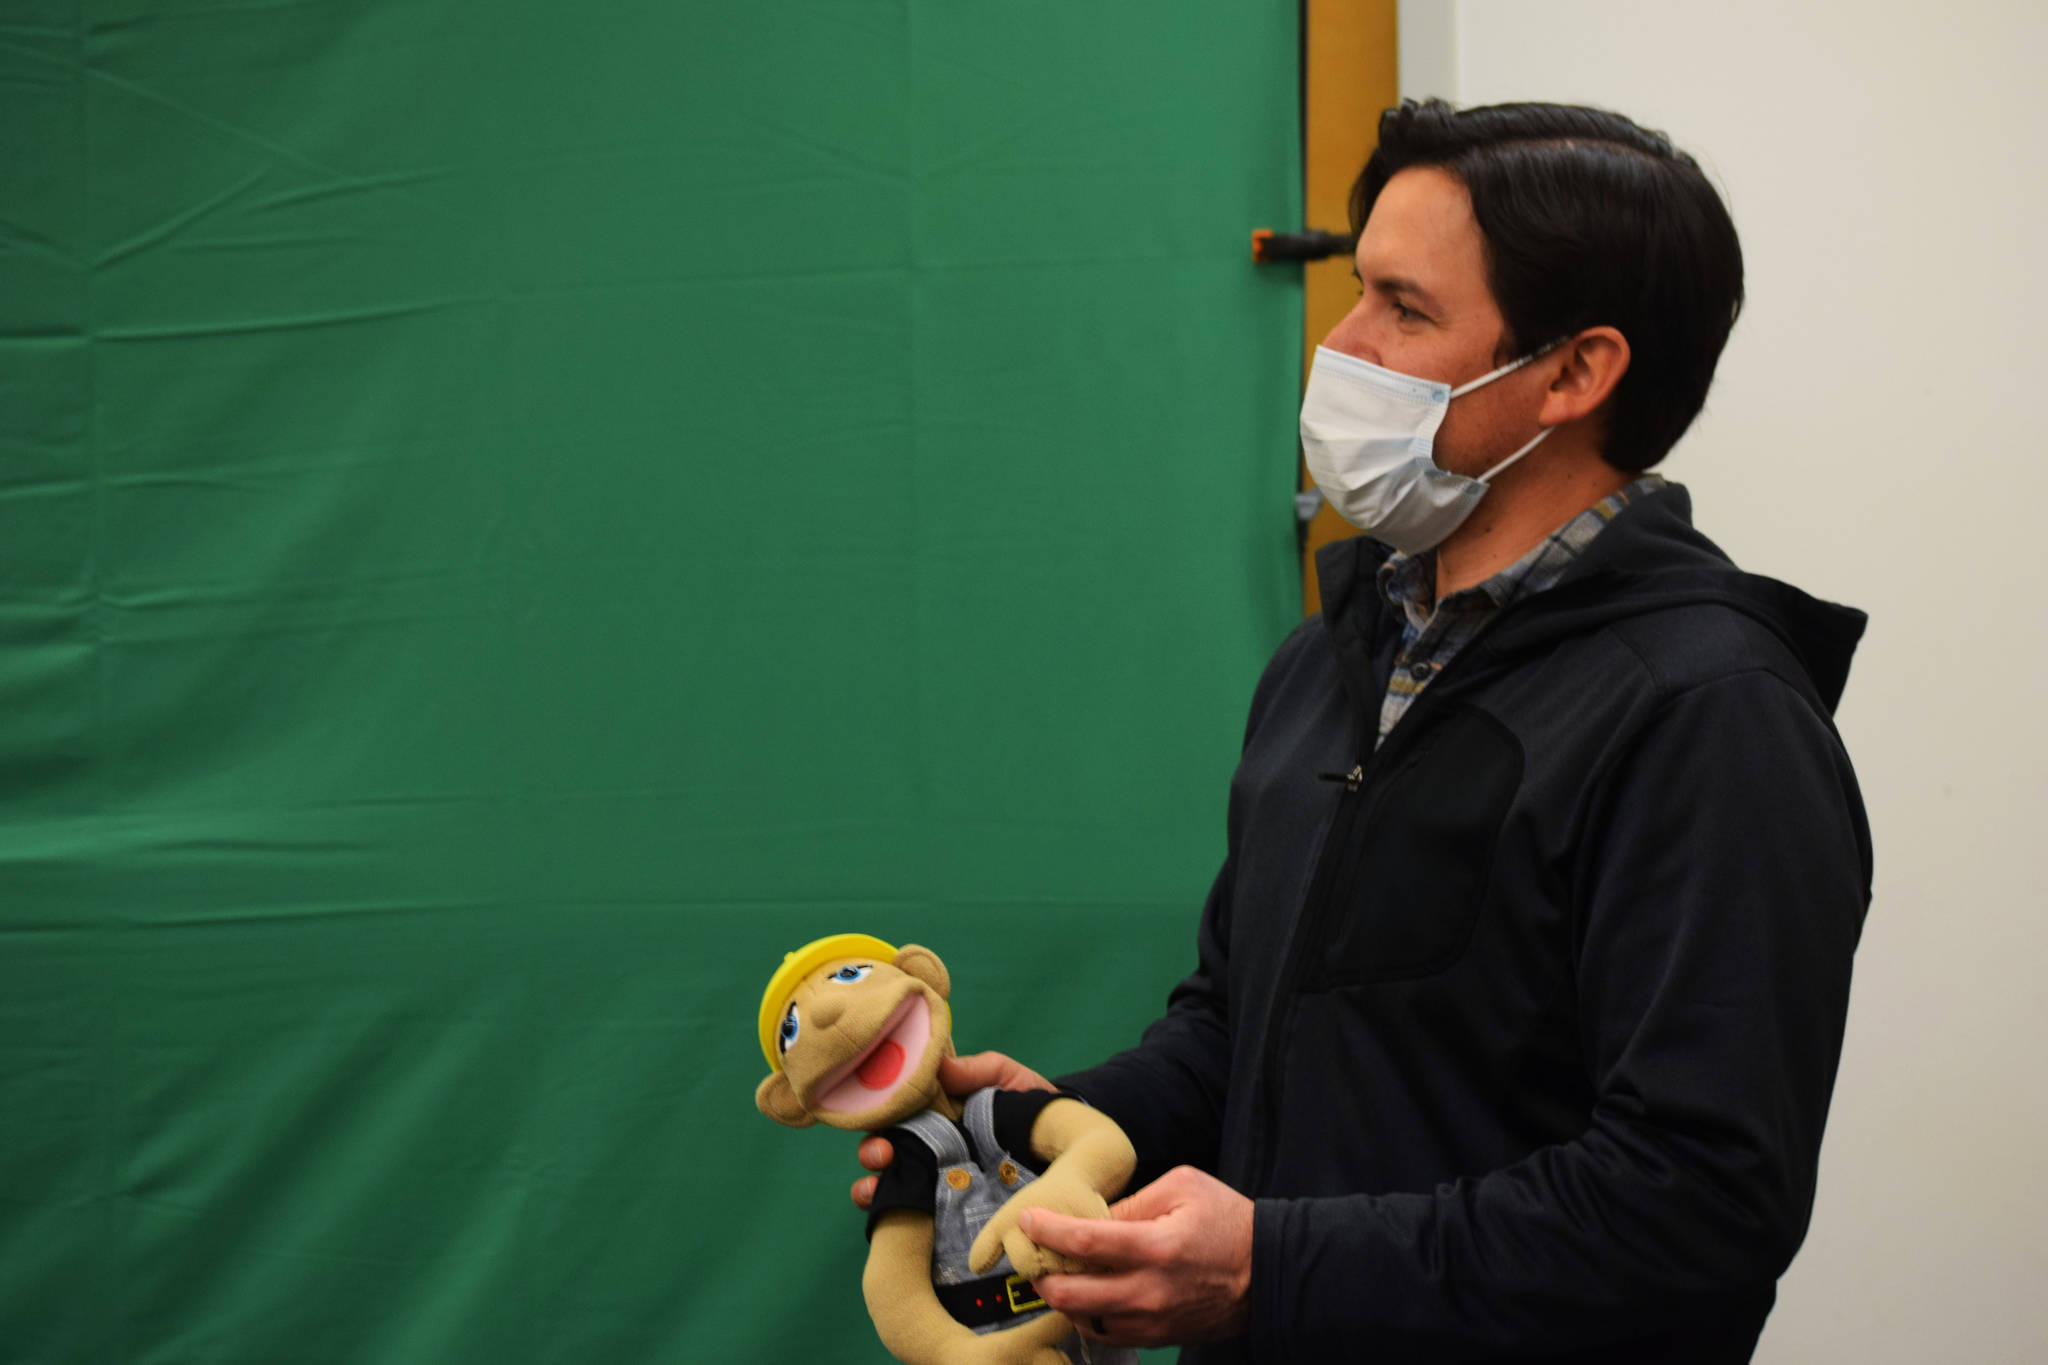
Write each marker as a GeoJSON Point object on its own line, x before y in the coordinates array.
{"type": "Point", "coordinates": [1349, 74]}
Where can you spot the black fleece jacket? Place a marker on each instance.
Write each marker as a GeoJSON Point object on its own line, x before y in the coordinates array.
{"type": "Point", "coordinates": [1522, 1038]}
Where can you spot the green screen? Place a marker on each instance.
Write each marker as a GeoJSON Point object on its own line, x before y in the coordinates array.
{"type": "Point", "coordinates": [515, 515]}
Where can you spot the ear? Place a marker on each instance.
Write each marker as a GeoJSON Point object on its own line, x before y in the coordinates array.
{"type": "Point", "coordinates": [1584, 371]}
{"type": "Point", "coordinates": [924, 964]}
{"type": "Point", "coordinates": [776, 1098]}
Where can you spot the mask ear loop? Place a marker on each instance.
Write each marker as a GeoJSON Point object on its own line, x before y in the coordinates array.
{"type": "Point", "coordinates": [1510, 368]}
{"type": "Point", "coordinates": [1483, 380]}
{"type": "Point", "coordinates": [1487, 477]}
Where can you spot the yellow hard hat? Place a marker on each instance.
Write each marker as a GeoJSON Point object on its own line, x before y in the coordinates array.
{"type": "Point", "coordinates": [800, 964]}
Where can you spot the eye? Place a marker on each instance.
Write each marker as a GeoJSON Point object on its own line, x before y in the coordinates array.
{"type": "Point", "coordinates": [790, 1028]}
{"type": "Point", "coordinates": [847, 975]}
{"type": "Point", "coordinates": [1407, 314]}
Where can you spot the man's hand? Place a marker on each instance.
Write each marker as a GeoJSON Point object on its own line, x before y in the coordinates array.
{"type": "Point", "coordinates": [1073, 1197]}
{"type": "Point", "coordinates": [958, 1076]}
{"type": "Point", "coordinates": [1174, 1259]}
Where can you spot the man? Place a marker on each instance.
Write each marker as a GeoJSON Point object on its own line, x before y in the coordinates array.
{"type": "Point", "coordinates": [1521, 990]}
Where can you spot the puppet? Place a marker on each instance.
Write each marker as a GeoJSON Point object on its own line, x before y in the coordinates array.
{"type": "Point", "coordinates": [854, 1031]}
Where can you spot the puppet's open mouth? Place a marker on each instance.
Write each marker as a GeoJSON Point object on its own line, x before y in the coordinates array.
{"type": "Point", "coordinates": [872, 1077]}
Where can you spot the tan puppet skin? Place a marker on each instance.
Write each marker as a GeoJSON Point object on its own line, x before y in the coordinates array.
{"type": "Point", "coordinates": [854, 1031]}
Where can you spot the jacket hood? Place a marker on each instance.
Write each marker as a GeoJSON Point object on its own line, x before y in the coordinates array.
{"type": "Point", "coordinates": [1649, 559]}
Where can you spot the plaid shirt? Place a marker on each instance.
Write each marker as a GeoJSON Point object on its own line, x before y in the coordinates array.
{"type": "Point", "coordinates": [1436, 631]}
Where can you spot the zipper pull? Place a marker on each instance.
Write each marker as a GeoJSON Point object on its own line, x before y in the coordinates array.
{"type": "Point", "coordinates": [1350, 779]}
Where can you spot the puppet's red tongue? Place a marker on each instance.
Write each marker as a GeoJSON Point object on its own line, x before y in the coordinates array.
{"type": "Point", "coordinates": [882, 1067]}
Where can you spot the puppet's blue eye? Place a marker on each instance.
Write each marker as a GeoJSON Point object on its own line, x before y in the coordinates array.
{"type": "Point", "coordinates": [790, 1028]}
{"type": "Point", "coordinates": [850, 974]}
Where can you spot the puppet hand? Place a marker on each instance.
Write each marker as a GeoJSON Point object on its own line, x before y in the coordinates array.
{"type": "Point", "coordinates": [1057, 1192]}
{"type": "Point", "coordinates": [1036, 1342]}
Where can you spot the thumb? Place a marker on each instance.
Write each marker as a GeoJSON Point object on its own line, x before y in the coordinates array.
{"type": "Point", "coordinates": [980, 1070]}
{"type": "Point", "coordinates": [965, 1075]}
{"type": "Point", "coordinates": [1155, 1200]}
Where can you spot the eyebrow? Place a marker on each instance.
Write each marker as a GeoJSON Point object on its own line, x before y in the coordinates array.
{"type": "Point", "coordinates": [1401, 284]}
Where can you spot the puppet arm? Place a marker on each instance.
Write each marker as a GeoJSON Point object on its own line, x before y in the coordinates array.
{"type": "Point", "coordinates": [1086, 1158]}
{"type": "Point", "coordinates": [916, 1327]}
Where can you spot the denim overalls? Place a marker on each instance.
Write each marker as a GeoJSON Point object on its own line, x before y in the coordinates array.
{"type": "Point", "coordinates": [968, 1194]}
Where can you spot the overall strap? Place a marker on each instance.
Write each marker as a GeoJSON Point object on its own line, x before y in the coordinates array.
{"type": "Point", "coordinates": [938, 1132]}
{"type": "Point", "coordinates": [980, 1122]}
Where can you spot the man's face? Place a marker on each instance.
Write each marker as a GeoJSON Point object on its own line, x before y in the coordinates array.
{"type": "Point", "coordinates": [1425, 309]}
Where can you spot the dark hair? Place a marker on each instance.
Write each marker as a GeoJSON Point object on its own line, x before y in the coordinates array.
{"type": "Point", "coordinates": [1588, 220]}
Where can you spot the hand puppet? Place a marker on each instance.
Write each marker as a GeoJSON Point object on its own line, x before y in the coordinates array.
{"type": "Point", "coordinates": [854, 1030]}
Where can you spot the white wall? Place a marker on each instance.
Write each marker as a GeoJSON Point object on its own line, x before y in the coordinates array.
{"type": "Point", "coordinates": [1878, 435]}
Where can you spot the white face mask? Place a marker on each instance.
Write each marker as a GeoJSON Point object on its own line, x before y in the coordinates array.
{"type": "Point", "coordinates": [1368, 432]}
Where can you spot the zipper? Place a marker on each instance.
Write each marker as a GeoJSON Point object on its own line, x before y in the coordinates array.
{"type": "Point", "coordinates": [1482, 665]}
{"type": "Point", "coordinates": [1342, 833]}
{"type": "Point", "coordinates": [1350, 779]}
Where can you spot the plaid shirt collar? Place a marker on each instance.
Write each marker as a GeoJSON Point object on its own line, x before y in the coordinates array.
{"type": "Point", "coordinates": [1409, 581]}
{"type": "Point", "coordinates": [1434, 632]}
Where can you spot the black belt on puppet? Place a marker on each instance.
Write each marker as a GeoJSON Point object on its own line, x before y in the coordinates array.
{"type": "Point", "coordinates": [996, 1298]}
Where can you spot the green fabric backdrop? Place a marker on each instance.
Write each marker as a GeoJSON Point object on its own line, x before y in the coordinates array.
{"type": "Point", "coordinates": [514, 515]}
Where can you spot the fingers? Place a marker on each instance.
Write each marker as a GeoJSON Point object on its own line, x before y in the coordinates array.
{"type": "Point", "coordinates": [875, 1153]}
{"type": "Point", "coordinates": [1032, 1260]}
{"type": "Point", "coordinates": [1096, 1241]}
{"type": "Point", "coordinates": [1155, 1200]}
{"type": "Point", "coordinates": [979, 1070]}
{"type": "Point", "coordinates": [1176, 1259]}
{"type": "Point", "coordinates": [1081, 1297]}
{"type": "Point", "coordinates": [1112, 1330]}
{"type": "Point", "coordinates": [1118, 1310]}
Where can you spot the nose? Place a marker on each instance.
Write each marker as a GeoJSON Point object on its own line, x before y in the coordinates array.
{"type": "Point", "coordinates": [1349, 337]}
{"type": "Point", "coordinates": [827, 1011]}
